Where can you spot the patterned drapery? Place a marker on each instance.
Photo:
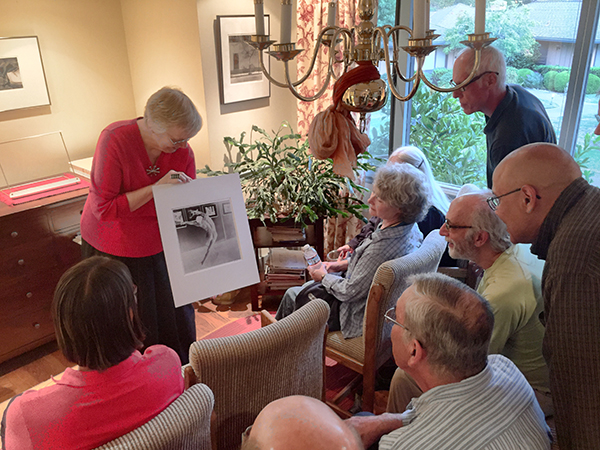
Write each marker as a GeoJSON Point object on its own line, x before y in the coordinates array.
{"type": "Point", "coordinates": [311, 18]}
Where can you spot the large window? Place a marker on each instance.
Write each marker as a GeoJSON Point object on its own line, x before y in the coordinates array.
{"type": "Point", "coordinates": [546, 52]}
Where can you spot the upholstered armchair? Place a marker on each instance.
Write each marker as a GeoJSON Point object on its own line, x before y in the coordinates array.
{"type": "Point", "coordinates": [183, 425]}
{"type": "Point", "coordinates": [248, 371]}
{"type": "Point", "coordinates": [365, 354]}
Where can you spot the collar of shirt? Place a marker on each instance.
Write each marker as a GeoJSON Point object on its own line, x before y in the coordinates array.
{"type": "Point", "coordinates": [490, 122]}
{"type": "Point", "coordinates": [81, 378]}
{"type": "Point", "coordinates": [563, 204]}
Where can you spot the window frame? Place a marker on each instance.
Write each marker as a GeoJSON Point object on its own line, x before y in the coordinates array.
{"type": "Point", "coordinates": [584, 47]}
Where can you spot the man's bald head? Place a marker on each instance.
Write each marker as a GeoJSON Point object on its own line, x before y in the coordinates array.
{"type": "Point", "coordinates": [541, 171]}
{"type": "Point", "coordinates": [297, 423]}
{"type": "Point", "coordinates": [545, 166]}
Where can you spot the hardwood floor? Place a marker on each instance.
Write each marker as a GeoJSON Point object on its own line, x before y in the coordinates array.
{"type": "Point", "coordinates": [25, 371]}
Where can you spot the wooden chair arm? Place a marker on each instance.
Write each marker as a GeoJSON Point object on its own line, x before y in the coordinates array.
{"type": "Point", "coordinates": [189, 377]}
{"type": "Point", "coordinates": [266, 318]}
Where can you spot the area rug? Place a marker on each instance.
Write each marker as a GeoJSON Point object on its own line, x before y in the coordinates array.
{"type": "Point", "coordinates": [337, 376]}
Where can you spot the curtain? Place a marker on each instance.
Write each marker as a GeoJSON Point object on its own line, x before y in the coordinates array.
{"type": "Point", "coordinates": [311, 18]}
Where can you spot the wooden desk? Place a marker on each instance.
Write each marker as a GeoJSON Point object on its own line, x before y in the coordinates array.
{"type": "Point", "coordinates": [37, 245]}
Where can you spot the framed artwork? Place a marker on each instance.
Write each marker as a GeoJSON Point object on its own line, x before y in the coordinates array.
{"type": "Point", "coordinates": [22, 79]}
{"type": "Point", "coordinates": [207, 253]}
{"type": "Point", "coordinates": [211, 210]}
{"type": "Point", "coordinates": [240, 74]}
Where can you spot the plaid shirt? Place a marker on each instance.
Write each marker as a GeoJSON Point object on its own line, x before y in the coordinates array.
{"type": "Point", "coordinates": [569, 241]}
{"type": "Point", "coordinates": [352, 291]}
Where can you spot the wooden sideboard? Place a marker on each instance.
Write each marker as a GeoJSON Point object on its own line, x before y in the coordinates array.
{"type": "Point", "coordinates": [36, 242]}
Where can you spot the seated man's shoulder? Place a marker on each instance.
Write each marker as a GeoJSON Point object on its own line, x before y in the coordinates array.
{"type": "Point", "coordinates": [513, 278]}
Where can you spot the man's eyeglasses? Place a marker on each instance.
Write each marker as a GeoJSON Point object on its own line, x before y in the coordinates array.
{"type": "Point", "coordinates": [450, 226]}
{"type": "Point", "coordinates": [464, 88]}
{"type": "Point", "coordinates": [494, 201]}
{"type": "Point", "coordinates": [390, 316]}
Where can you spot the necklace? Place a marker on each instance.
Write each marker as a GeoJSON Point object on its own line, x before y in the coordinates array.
{"type": "Point", "coordinates": [153, 170]}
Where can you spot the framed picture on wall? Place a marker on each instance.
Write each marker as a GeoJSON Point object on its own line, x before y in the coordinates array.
{"type": "Point", "coordinates": [22, 79]}
{"type": "Point", "coordinates": [240, 74]}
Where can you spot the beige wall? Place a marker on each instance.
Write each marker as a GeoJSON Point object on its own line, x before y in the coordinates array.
{"type": "Point", "coordinates": [86, 66]}
{"type": "Point", "coordinates": [103, 58]}
{"type": "Point", "coordinates": [231, 120]}
{"type": "Point", "coordinates": [163, 45]}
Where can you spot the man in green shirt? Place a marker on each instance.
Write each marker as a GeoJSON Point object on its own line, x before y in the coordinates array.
{"type": "Point", "coordinates": [511, 284]}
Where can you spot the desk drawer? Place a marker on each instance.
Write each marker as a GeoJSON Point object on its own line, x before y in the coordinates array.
{"type": "Point", "coordinates": [30, 259]}
{"type": "Point", "coordinates": [66, 216]}
{"type": "Point", "coordinates": [21, 228]}
{"type": "Point", "coordinates": [24, 329]}
{"type": "Point", "coordinates": [25, 295]}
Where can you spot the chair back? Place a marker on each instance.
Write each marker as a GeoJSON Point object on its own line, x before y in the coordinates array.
{"type": "Point", "coordinates": [248, 371]}
{"type": "Point", "coordinates": [392, 278]}
{"type": "Point", "coordinates": [183, 425]}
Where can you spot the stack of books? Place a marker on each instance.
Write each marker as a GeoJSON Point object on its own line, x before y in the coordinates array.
{"type": "Point", "coordinates": [284, 268]}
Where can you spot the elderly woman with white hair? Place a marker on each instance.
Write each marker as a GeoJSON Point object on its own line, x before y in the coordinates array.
{"type": "Point", "coordinates": [433, 220]}
{"type": "Point", "coordinates": [400, 198]}
{"type": "Point", "coordinates": [119, 218]}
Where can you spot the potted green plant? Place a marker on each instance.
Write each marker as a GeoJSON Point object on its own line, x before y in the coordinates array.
{"type": "Point", "coordinates": [281, 180]}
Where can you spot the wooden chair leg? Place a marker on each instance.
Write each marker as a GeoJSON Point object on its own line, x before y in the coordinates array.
{"type": "Point", "coordinates": [368, 397]}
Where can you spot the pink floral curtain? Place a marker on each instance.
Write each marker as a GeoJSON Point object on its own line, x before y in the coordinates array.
{"type": "Point", "coordinates": [311, 18]}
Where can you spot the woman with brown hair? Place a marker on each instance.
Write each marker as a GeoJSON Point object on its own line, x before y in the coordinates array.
{"type": "Point", "coordinates": [116, 388]}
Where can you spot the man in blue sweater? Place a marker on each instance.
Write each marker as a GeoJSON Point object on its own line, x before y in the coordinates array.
{"type": "Point", "coordinates": [513, 116]}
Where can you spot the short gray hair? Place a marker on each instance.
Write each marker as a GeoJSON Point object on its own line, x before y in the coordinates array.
{"type": "Point", "coordinates": [492, 60]}
{"type": "Point", "coordinates": [170, 107]}
{"type": "Point", "coordinates": [484, 219]}
{"type": "Point", "coordinates": [452, 322]}
{"type": "Point", "coordinates": [404, 187]}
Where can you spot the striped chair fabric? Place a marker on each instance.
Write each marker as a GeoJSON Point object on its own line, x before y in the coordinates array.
{"type": "Point", "coordinates": [183, 425]}
{"type": "Point", "coordinates": [248, 371]}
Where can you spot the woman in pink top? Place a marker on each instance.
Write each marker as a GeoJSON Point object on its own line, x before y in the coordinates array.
{"type": "Point", "coordinates": [116, 388]}
{"type": "Point", "coordinates": [119, 217]}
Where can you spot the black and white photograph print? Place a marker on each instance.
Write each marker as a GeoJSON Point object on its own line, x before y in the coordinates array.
{"type": "Point", "coordinates": [22, 78]}
{"type": "Point", "coordinates": [240, 73]}
{"type": "Point", "coordinates": [206, 238]}
{"type": "Point", "coordinates": [244, 65]}
{"type": "Point", "coordinates": [10, 75]}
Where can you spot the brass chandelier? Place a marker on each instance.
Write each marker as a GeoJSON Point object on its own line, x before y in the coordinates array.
{"type": "Point", "coordinates": [364, 42]}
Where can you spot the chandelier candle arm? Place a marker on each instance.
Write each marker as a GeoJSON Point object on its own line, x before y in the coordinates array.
{"type": "Point", "coordinates": [259, 17]}
{"type": "Point", "coordinates": [267, 74]}
{"type": "Point", "coordinates": [262, 42]}
{"type": "Point", "coordinates": [286, 22]}
{"type": "Point", "coordinates": [297, 94]}
{"type": "Point", "coordinates": [384, 37]}
{"type": "Point", "coordinates": [479, 16]}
